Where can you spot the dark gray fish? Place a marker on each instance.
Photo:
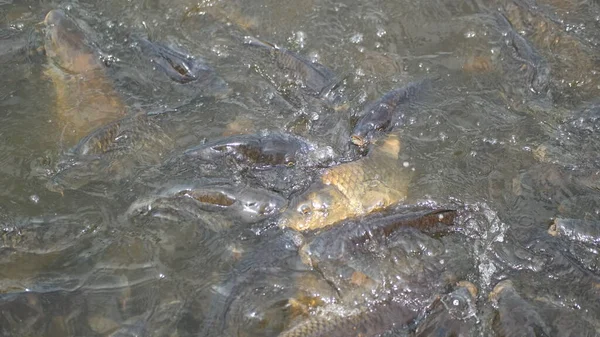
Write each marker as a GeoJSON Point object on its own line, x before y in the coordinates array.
{"type": "Point", "coordinates": [584, 231]}
{"type": "Point", "coordinates": [258, 151]}
{"type": "Point", "coordinates": [272, 266]}
{"type": "Point", "coordinates": [538, 70]}
{"type": "Point", "coordinates": [373, 321]}
{"type": "Point", "coordinates": [112, 152]}
{"type": "Point", "coordinates": [378, 226]}
{"type": "Point", "coordinates": [516, 317]}
{"type": "Point", "coordinates": [452, 315]}
{"type": "Point", "coordinates": [377, 117]}
{"type": "Point", "coordinates": [16, 44]}
{"type": "Point", "coordinates": [180, 67]}
{"type": "Point", "coordinates": [243, 203]}
{"type": "Point", "coordinates": [314, 76]}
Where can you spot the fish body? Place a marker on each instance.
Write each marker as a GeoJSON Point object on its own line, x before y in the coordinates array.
{"type": "Point", "coordinates": [584, 231]}
{"type": "Point", "coordinates": [242, 203]}
{"type": "Point", "coordinates": [337, 242]}
{"type": "Point", "coordinates": [452, 315]}
{"type": "Point", "coordinates": [183, 68]}
{"type": "Point", "coordinates": [352, 189]}
{"type": "Point", "coordinates": [111, 152]}
{"type": "Point", "coordinates": [258, 151]}
{"type": "Point", "coordinates": [85, 97]}
{"type": "Point", "coordinates": [178, 66]}
{"type": "Point", "coordinates": [377, 117]}
{"type": "Point", "coordinates": [515, 316]}
{"type": "Point", "coordinates": [367, 322]}
{"type": "Point", "coordinates": [314, 76]}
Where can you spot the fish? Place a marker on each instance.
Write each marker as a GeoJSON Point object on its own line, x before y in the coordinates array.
{"type": "Point", "coordinates": [67, 44]}
{"type": "Point", "coordinates": [258, 151]}
{"type": "Point", "coordinates": [243, 203]}
{"type": "Point", "coordinates": [176, 65]}
{"type": "Point", "coordinates": [374, 321]}
{"type": "Point", "coordinates": [316, 77]}
{"type": "Point", "coordinates": [85, 96]}
{"type": "Point", "coordinates": [179, 66]}
{"type": "Point", "coordinates": [515, 316]}
{"type": "Point", "coordinates": [377, 116]}
{"type": "Point", "coordinates": [334, 242]}
{"type": "Point", "coordinates": [351, 189]}
{"type": "Point", "coordinates": [451, 314]}
{"type": "Point", "coordinates": [520, 50]}
{"type": "Point", "coordinates": [111, 152]}
{"type": "Point", "coordinates": [584, 231]}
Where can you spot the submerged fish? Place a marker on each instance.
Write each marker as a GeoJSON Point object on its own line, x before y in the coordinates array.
{"type": "Point", "coordinates": [377, 116]}
{"type": "Point", "coordinates": [584, 231]}
{"type": "Point", "coordinates": [338, 242]}
{"type": "Point", "coordinates": [314, 76]}
{"type": "Point", "coordinates": [112, 152]}
{"type": "Point", "coordinates": [181, 67]}
{"type": "Point", "coordinates": [372, 321]}
{"type": "Point", "coordinates": [452, 314]}
{"type": "Point", "coordinates": [515, 316]}
{"type": "Point", "coordinates": [85, 97]}
{"type": "Point", "coordinates": [520, 50]}
{"type": "Point", "coordinates": [243, 203]}
{"type": "Point", "coordinates": [352, 189]}
{"type": "Point", "coordinates": [258, 151]}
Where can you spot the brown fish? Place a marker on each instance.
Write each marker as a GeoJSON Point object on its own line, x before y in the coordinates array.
{"type": "Point", "coordinates": [85, 97]}
{"type": "Point", "coordinates": [352, 189]}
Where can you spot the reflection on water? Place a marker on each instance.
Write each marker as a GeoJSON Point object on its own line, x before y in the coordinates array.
{"type": "Point", "coordinates": [151, 151]}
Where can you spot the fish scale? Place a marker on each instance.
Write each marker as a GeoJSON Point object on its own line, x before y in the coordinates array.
{"type": "Point", "coordinates": [352, 189]}
{"type": "Point", "coordinates": [369, 322]}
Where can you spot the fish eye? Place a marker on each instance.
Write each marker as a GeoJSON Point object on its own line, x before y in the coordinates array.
{"type": "Point", "coordinates": [221, 148]}
{"type": "Point", "coordinates": [304, 209]}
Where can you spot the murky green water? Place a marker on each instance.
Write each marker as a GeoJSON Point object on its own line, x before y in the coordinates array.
{"type": "Point", "coordinates": [146, 237]}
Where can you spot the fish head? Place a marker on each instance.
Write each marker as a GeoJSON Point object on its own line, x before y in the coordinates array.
{"type": "Point", "coordinates": [367, 130]}
{"type": "Point", "coordinates": [259, 204]}
{"type": "Point", "coordinates": [318, 207]}
{"type": "Point", "coordinates": [66, 44]}
{"type": "Point", "coordinates": [503, 287]}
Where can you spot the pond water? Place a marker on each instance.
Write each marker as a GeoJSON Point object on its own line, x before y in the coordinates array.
{"type": "Point", "coordinates": [153, 150]}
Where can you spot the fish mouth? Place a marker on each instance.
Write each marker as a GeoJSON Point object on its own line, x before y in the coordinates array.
{"type": "Point", "coordinates": [358, 140]}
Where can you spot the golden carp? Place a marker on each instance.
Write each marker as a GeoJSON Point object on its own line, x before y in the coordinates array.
{"type": "Point", "coordinates": [352, 189]}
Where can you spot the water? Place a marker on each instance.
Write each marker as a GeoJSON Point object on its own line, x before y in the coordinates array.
{"type": "Point", "coordinates": [507, 135]}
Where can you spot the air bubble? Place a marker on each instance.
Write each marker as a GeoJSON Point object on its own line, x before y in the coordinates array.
{"type": "Point", "coordinates": [356, 38]}
{"type": "Point", "coordinates": [300, 39]}
{"type": "Point", "coordinates": [34, 198]}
